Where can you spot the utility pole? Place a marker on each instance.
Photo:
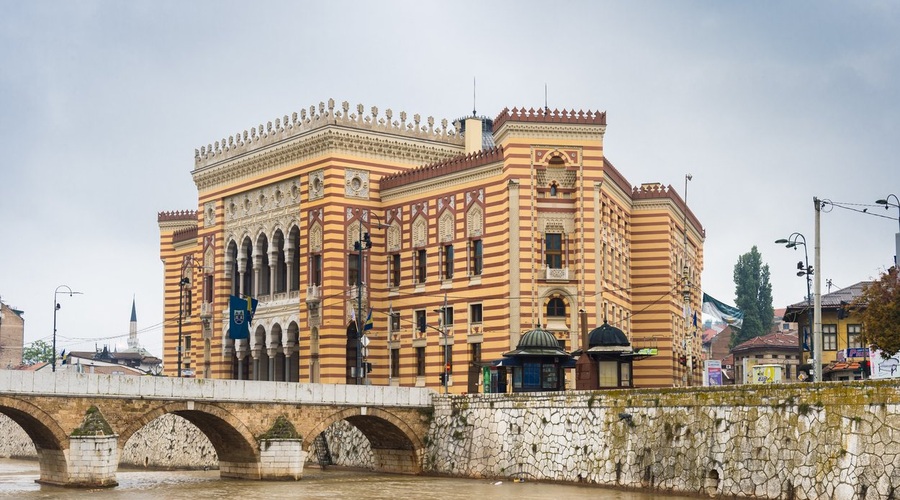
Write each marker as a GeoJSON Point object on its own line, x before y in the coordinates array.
{"type": "Point", "coordinates": [817, 305]}
{"type": "Point", "coordinates": [446, 367]}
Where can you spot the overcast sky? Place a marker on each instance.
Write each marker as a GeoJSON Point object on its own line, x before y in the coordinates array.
{"type": "Point", "coordinates": [766, 104]}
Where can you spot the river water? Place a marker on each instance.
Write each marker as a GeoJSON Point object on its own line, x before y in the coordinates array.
{"type": "Point", "coordinates": [17, 481]}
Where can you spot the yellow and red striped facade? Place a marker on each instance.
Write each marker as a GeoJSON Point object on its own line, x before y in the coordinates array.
{"type": "Point", "coordinates": [509, 238]}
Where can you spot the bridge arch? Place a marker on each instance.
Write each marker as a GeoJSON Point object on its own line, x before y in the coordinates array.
{"type": "Point", "coordinates": [235, 445]}
{"type": "Point", "coordinates": [49, 438]}
{"type": "Point", "coordinates": [395, 445]}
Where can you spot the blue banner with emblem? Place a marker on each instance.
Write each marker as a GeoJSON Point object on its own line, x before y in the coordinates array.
{"type": "Point", "coordinates": [242, 311]}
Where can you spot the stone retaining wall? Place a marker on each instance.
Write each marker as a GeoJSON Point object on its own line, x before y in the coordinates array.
{"type": "Point", "coordinates": [791, 441]}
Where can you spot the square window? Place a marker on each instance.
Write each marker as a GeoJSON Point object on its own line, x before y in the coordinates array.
{"type": "Point", "coordinates": [553, 243]}
{"type": "Point", "coordinates": [420, 321]}
{"type": "Point", "coordinates": [421, 266]}
{"type": "Point", "coordinates": [853, 336]}
{"type": "Point", "coordinates": [395, 362]}
{"type": "Point", "coordinates": [353, 275]}
{"type": "Point", "coordinates": [420, 361]}
{"type": "Point", "coordinates": [395, 269]}
{"type": "Point", "coordinates": [395, 322]}
{"type": "Point", "coordinates": [448, 315]}
{"type": "Point", "coordinates": [475, 313]}
{"type": "Point", "coordinates": [448, 261]}
{"type": "Point", "coordinates": [829, 337]}
{"type": "Point", "coordinates": [476, 257]}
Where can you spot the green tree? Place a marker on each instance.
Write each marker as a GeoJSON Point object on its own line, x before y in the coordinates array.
{"type": "Point", "coordinates": [753, 296]}
{"type": "Point", "coordinates": [38, 351]}
{"type": "Point", "coordinates": [879, 310]}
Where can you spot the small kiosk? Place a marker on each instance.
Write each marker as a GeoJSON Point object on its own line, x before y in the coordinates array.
{"type": "Point", "coordinates": [606, 361]}
{"type": "Point", "coordinates": [536, 364]}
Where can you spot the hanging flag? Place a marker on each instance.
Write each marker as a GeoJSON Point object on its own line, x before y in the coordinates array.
{"type": "Point", "coordinates": [242, 312]}
{"type": "Point", "coordinates": [369, 324]}
{"type": "Point", "coordinates": [723, 312]}
{"type": "Point", "coordinates": [695, 319]}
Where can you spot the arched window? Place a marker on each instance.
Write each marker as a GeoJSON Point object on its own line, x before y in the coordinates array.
{"type": "Point", "coordinates": [556, 308]}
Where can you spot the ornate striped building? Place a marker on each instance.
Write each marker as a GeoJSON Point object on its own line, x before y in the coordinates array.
{"type": "Point", "coordinates": [470, 233]}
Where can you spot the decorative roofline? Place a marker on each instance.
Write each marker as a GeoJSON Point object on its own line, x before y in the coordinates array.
{"type": "Point", "coordinates": [177, 216]}
{"type": "Point", "coordinates": [656, 191]}
{"type": "Point", "coordinates": [288, 127]}
{"type": "Point", "coordinates": [452, 165]}
{"type": "Point", "coordinates": [543, 115]}
{"type": "Point", "coordinates": [186, 234]}
{"type": "Point", "coordinates": [612, 173]}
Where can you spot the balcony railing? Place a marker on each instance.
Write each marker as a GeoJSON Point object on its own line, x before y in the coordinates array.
{"type": "Point", "coordinates": [313, 293]}
{"type": "Point", "coordinates": [555, 274]}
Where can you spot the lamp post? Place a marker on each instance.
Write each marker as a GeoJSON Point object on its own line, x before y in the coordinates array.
{"type": "Point", "coordinates": [56, 307]}
{"type": "Point", "coordinates": [185, 281]}
{"type": "Point", "coordinates": [887, 204]}
{"type": "Point", "coordinates": [442, 311]}
{"type": "Point", "coordinates": [803, 269]}
{"type": "Point", "coordinates": [362, 244]}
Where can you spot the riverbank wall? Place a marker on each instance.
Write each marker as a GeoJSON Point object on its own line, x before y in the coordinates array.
{"type": "Point", "coordinates": [792, 441]}
{"type": "Point", "coordinates": [836, 440]}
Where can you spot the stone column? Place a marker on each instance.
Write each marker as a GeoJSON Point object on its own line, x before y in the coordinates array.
{"type": "Point", "coordinates": [257, 264]}
{"type": "Point", "coordinates": [273, 272]}
{"type": "Point", "coordinates": [240, 350]}
{"type": "Point", "coordinates": [289, 266]}
{"type": "Point", "coordinates": [273, 355]}
{"type": "Point", "coordinates": [242, 269]}
{"type": "Point", "coordinates": [288, 363]}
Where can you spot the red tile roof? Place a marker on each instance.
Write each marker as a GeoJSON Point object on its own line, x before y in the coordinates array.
{"type": "Point", "coordinates": [773, 340]}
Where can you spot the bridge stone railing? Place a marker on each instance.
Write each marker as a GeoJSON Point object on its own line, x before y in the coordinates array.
{"type": "Point", "coordinates": [242, 391]}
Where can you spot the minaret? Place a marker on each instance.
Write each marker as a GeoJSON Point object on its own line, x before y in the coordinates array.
{"type": "Point", "coordinates": [132, 330]}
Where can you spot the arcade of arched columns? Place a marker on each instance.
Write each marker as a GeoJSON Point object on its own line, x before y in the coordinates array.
{"type": "Point", "coordinates": [266, 268]}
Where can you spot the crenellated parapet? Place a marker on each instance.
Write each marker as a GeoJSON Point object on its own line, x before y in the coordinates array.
{"type": "Point", "coordinates": [542, 115]}
{"type": "Point", "coordinates": [177, 216]}
{"type": "Point", "coordinates": [449, 166]}
{"type": "Point", "coordinates": [177, 220]}
{"type": "Point", "coordinates": [655, 190]}
{"type": "Point", "coordinates": [315, 118]}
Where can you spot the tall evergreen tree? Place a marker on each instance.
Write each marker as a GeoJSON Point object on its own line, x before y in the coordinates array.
{"type": "Point", "coordinates": [753, 296]}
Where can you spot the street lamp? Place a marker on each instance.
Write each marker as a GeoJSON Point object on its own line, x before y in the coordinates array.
{"type": "Point", "coordinates": [803, 269]}
{"type": "Point", "coordinates": [185, 281]}
{"type": "Point", "coordinates": [887, 204]}
{"type": "Point", "coordinates": [56, 307]}
{"type": "Point", "coordinates": [442, 311]}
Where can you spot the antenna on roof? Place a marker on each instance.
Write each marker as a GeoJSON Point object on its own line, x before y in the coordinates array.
{"type": "Point", "coordinates": [546, 108]}
{"type": "Point", "coordinates": [474, 114]}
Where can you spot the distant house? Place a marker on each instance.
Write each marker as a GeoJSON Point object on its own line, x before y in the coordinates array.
{"type": "Point", "coordinates": [130, 362]}
{"type": "Point", "coordinates": [12, 334]}
{"type": "Point", "coordinates": [842, 349]}
{"type": "Point", "coordinates": [716, 343]}
{"type": "Point", "coordinates": [772, 349]}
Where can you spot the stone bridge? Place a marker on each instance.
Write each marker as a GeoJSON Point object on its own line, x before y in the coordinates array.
{"type": "Point", "coordinates": [79, 423]}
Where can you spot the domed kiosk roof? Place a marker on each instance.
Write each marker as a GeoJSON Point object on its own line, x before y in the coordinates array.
{"type": "Point", "coordinates": [538, 342]}
{"type": "Point", "coordinates": [607, 338]}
